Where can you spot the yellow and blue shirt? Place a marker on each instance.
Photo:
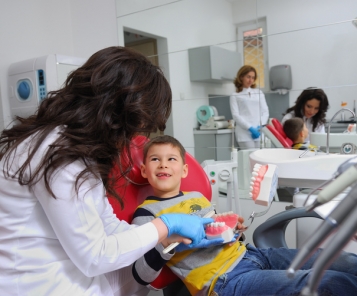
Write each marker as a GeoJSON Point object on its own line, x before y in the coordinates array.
{"type": "Point", "coordinates": [304, 146]}
{"type": "Point", "coordinates": [199, 269]}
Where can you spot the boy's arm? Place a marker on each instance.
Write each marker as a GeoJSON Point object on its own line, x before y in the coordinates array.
{"type": "Point", "coordinates": [147, 268]}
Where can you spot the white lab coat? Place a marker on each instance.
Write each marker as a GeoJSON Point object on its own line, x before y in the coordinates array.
{"type": "Point", "coordinates": [320, 128]}
{"type": "Point", "coordinates": [248, 108]}
{"type": "Point", "coordinates": [68, 245]}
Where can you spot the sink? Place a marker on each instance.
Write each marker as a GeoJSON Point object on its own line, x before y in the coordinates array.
{"type": "Point", "coordinates": [310, 171]}
{"type": "Point", "coordinates": [336, 140]}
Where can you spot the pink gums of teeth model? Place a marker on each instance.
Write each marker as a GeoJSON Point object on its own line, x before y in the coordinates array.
{"type": "Point", "coordinates": [229, 218]}
{"type": "Point", "coordinates": [264, 183]}
{"type": "Point", "coordinates": [223, 227]}
{"type": "Point", "coordinates": [219, 230]}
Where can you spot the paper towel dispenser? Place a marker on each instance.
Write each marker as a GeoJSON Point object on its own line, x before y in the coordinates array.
{"type": "Point", "coordinates": [280, 77]}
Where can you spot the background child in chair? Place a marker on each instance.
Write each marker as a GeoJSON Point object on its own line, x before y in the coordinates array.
{"type": "Point", "coordinates": [296, 130]}
{"type": "Point", "coordinates": [214, 268]}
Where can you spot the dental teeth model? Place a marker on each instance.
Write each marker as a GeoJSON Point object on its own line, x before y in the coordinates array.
{"type": "Point", "coordinates": [263, 184]}
{"type": "Point", "coordinates": [219, 230]}
{"type": "Point", "coordinates": [223, 227]}
{"type": "Point", "coordinates": [229, 218]}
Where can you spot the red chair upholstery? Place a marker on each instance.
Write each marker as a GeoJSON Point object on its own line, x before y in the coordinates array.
{"type": "Point", "coordinates": [276, 129]}
{"type": "Point", "coordinates": [135, 192]}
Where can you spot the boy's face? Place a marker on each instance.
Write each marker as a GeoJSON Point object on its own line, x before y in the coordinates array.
{"type": "Point", "coordinates": [164, 169]}
{"type": "Point", "coordinates": [305, 132]}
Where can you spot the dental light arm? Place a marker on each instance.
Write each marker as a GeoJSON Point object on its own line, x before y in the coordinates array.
{"type": "Point", "coordinates": [337, 216]}
{"type": "Point", "coordinates": [331, 252]}
{"type": "Point", "coordinates": [345, 175]}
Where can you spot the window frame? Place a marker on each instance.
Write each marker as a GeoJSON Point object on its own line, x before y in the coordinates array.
{"type": "Point", "coordinates": [253, 25]}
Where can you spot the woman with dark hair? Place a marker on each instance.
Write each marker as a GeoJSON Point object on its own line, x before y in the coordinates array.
{"type": "Point", "coordinates": [58, 232]}
{"type": "Point", "coordinates": [311, 106]}
{"type": "Point", "coordinates": [248, 107]}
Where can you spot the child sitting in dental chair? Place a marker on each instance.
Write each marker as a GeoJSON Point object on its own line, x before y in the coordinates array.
{"type": "Point", "coordinates": [214, 267]}
{"type": "Point", "coordinates": [296, 130]}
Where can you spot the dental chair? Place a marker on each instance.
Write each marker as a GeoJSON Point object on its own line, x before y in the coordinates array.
{"type": "Point", "coordinates": [271, 233]}
{"type": "Point", "coordinates": [274, 131]}
{"type": "Point", "coordinates": [135, 189]}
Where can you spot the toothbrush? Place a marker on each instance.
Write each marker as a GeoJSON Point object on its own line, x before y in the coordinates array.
{"type": "Point", "coordinates": [173, 245]}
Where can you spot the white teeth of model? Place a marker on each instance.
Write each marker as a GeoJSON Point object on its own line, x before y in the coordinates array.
{"type": "Point", "coordinates": [250, 194]}
{"type": "Point", "coordinates": [251, 183]}
{"type": "Point", "coordinates": [251, 187]}
{"type": "Point", "coordinates": [253, 179]}
{"type": "Point", "coordinates": [255, 174]}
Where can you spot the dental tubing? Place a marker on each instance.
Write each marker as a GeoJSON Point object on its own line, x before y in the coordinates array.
{"type": "Point", "coordinates": [336, 217]}
{"type": "Point", "coordinates": [346, 176]}
{"type": "Point", "coordinates": [346, 231]}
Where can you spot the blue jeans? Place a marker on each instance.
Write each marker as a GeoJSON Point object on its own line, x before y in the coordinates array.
{"type": "Point", "coordinates": [263, 272]}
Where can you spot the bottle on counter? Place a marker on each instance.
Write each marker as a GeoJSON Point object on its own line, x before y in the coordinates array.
{"type": "Point", "coordinates": [343, 105]}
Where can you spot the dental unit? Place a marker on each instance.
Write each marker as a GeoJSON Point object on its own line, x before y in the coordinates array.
{"type": "Point", "coordinates": [262, 191]}
{"type": "Point", "coordinates": [344, 143]}
{"type": "Point", "coordinates": [342, 221]}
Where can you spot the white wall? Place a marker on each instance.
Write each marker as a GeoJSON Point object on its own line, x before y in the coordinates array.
{"type": "Point", "coordinates": [34, 28]}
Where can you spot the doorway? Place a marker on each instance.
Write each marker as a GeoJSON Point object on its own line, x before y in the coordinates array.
{"type": "Point", "coordinates": [148, 47]}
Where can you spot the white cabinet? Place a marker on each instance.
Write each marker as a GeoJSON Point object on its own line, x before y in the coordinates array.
{"type": "Point", "coordinates": [213, 144]}
{"type": "Point", "coordinates": [213, 64]}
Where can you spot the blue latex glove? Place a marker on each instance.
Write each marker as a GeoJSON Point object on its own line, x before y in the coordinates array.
{"type": "Point", "coordinates": [203, 244]}
{"type": "Point", "coordinates": [189, 226]}
{"type": "Point", "coordinates": [255, 132]}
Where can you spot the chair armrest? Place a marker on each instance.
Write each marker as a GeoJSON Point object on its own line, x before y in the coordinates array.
{"type": "Point", "coordinates": [271, 233]}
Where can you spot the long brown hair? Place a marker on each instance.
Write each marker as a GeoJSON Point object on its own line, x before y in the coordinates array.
{"type": "Point", "coordinates": [114, 96]}
{"type": "Point", "coordinates": [241, 73]}
{"type": "Point", "coordinates": [307, 95]}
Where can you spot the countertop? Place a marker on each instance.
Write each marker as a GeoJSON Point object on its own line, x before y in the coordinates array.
{"type": "Point", "coordinates": [212, 131]}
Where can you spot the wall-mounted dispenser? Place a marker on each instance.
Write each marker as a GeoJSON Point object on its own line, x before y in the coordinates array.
{"type": "Point", "coordinates": [29, 81]}
{"type": "Point", "coordinates": [280, 78]}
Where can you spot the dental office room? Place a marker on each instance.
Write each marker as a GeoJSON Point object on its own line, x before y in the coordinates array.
{"type": "Point", "coordinates": [289, 198]}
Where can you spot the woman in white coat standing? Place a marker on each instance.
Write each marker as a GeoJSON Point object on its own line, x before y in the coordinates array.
{"type": "Point", "coordinates": [248, 107]}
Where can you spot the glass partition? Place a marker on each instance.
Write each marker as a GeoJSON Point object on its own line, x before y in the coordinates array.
{"type": "Point", "coordinates": [316, 39]}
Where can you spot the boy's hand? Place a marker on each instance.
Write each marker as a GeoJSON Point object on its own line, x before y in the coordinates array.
{"type": "Point", "coordinates": [240, 226]}
{"type": "Point", "coordinates": [239, 229]}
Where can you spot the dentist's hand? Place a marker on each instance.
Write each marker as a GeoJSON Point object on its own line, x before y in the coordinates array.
{"type": "Point", "coordinates": [203, 244]}
{"type": "Point", "coordinates": [189, 226]}
{"type": "Point", "coordinates": [255, 132]}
